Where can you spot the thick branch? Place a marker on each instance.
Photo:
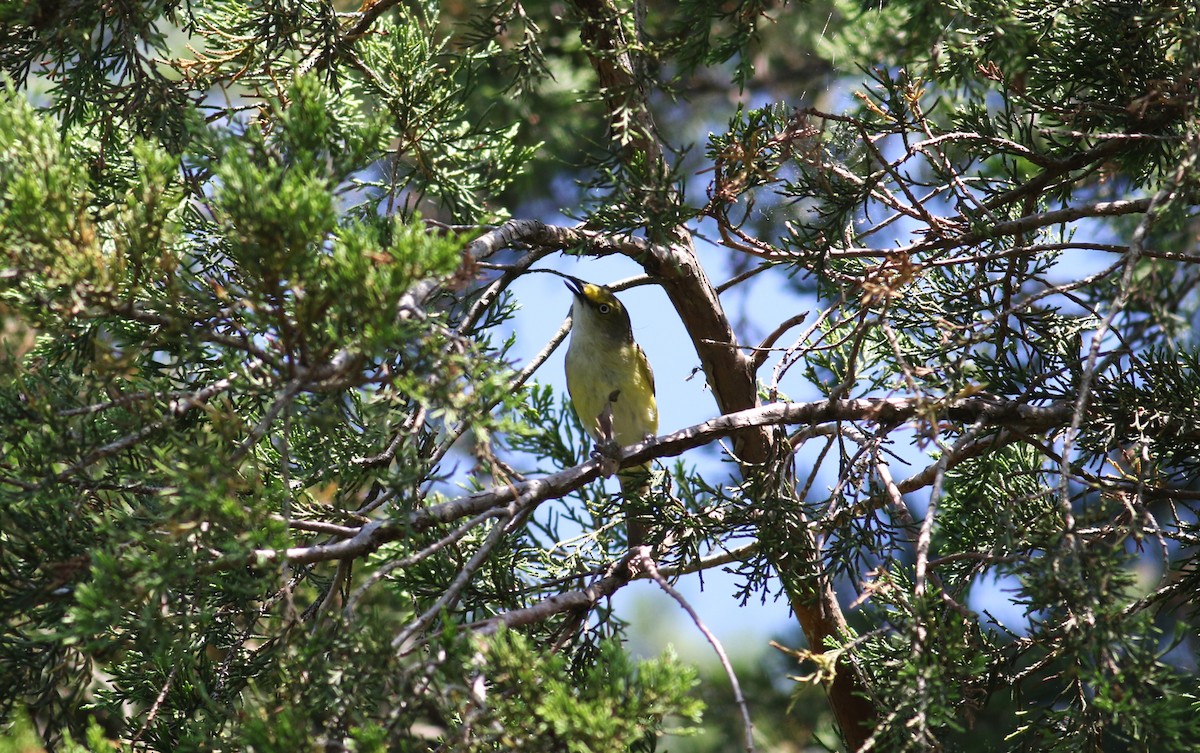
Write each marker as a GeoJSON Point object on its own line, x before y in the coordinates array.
{"type": "Point", "coordinates": [526, 495]}
{"type": "Point", "coordinates": [608, 50]}
{"type": "Point", "coordinates": [538, 233]}
{"type": "Point", "coordinates": [1025, 224]}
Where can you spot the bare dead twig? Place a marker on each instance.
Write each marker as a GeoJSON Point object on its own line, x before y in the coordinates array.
{"type": "Point", "coordinates": [647, 563]}
{"type": "Point", "coordinates": [154, 707]}
{"type": "Point", "coordinates": [1088, 375]}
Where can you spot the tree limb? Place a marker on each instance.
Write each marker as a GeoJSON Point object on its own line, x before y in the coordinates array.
{"type": "Point", "coordinates": [526, 495]}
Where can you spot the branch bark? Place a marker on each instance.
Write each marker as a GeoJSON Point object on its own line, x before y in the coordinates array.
{"type": "Point", "coordinates": [528, 494]}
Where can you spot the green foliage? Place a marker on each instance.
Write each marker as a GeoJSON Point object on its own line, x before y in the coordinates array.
{"type": "Point", "coordinates": [45, 224]}
{"type": "Point", "coordinates": [231, 338]}
{"type": "Point", "coordinates": [1091, 68]}
{"type": "Point", "coordinates": [611, 703]}
{"type": "Point", "coordinates": [20, 736]}
{"type": "Point", "coordinates": [1103, 672]}
{"type": "Point", "coordinates": [1150, 411]}
{"type": "Point", "coordinates": [124, 88]}
{"type": "Point", "coordinates": [1002, 505]}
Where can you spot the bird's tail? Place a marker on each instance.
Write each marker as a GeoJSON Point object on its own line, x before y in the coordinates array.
{"type": "Point", "coordinates": [635, 489]}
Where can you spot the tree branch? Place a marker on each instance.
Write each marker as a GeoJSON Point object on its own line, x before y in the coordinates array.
{"type": "Point", "coordinates": [526, 495]}
{"type": "Point", "coordinates": [740, 699]}
{"type": "Point", "coordinates": [617, 577]}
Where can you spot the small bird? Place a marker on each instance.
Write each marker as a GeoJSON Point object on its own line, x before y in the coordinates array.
{"type": "Point", "coordinates": [612, 389]}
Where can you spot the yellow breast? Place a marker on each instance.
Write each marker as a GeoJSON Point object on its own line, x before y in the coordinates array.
{"type": "Point", "coordinates": [596, 373]}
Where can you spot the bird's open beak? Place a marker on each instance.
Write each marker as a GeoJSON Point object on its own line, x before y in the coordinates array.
{"type": "Point", "coordinates": [575, 285]}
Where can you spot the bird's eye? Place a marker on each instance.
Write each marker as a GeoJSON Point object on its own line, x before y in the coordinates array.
{"type": "Point", "coordinates": [604, 308]}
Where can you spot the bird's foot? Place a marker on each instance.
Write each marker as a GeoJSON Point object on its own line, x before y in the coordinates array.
{"type": "Point", "coordinates": [609, 453]}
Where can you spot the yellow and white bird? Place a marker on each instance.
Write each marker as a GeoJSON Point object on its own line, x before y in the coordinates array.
{"type": "Point", "coordinates": [609, 377]}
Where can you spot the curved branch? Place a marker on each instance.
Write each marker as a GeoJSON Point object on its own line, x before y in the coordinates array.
{"type": "Point", "coordinates": [617, 577]}
{"type": "Point", "coordinates": [527, 495]}
{"type": "Point", "coordinates": [556, 237]}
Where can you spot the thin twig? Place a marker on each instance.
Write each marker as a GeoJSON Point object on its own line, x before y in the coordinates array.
{"type": "Point", "coordinates": [154, 707]}
{"type": "Point", "coordinates": [1136, 246]}
{"type": "Point", "coordinates": [647, 563]}
{"type": "Point", "coordinates": [333, 595]}
{"type": "Point", "coordinates": [618, 576]}
{"type": "Point", "coordinates": [450, 596]}
{"type": "Point", "coordinates": [382, 572]}
{"type": "Point", "coordinates": [925, 538]}
{"type": "Point", "coordinates": [264, 424]}
{"type": "Point", "coordinates": [707, 563]}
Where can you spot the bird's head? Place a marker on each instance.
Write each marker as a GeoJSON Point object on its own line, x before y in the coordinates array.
{"type": "Point", "coordinates": [597, 312]}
